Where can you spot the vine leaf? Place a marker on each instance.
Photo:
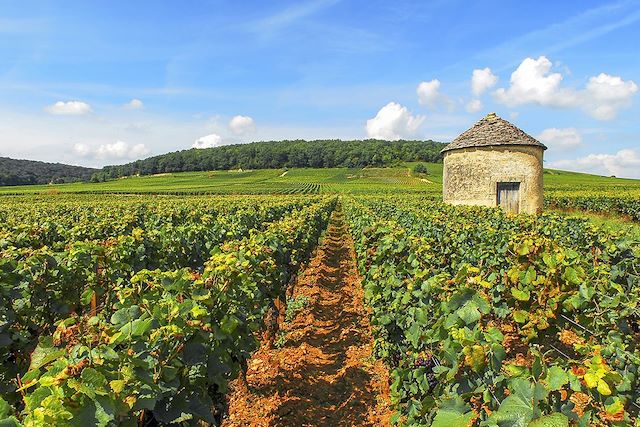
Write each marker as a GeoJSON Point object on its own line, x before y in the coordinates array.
{"type": "Point", "coordinates": [519, 408]}
{"type": "Point", "coordinates": [5, 408]}
{"type": "Point", "coordinates": [556, 378]}
{"type": "Point", "coordinates": [553, 420]}
{"type": "Point", "coordinates": [44, 353]}
{"type": "Point", "coordinates": [469, 313]}
{"type": "Point", "coordinates": [453, 413]}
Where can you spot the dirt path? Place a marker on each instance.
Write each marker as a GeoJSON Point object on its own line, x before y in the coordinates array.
{"type": "Point", "coordinates": [323, 374]}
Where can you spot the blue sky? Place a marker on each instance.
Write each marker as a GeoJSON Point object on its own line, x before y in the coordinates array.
{"type": "Point", "coordinates": [96, 83]}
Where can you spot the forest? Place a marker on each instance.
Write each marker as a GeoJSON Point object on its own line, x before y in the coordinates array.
{"type": "Point", "coordinates": [281, 154]}
{"type": "Point", "coordinates": [27, 172]}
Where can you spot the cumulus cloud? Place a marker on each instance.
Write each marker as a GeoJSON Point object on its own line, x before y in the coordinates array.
{"type": "Point", "coordinates": [118, 150]}
{"type": "Point", "coordinates": [606, 94]}
{"type": "Point", "coordinates": [208, 141]}
{"type": "Point", "coordinates": [393, 122]}
{"type": "Point", "coordinates": [429, 92]}
{"type": "Point", "coordinates": [482, 80]}
{"type": "Point", "coordinates": [534, 83]}
{"type": "Point", "coordinates": [138, 150]}
{"type": "Point", "coordinates": [241, 125]}
{"type": "Point", "coordinates": [82, 150]}
{"type": "Point", "coordinates": [624, 163]}
{"type": "Point", "coordinates": [560, 139]}
{"type": "Point", "coordinates": [134, 104]}
{"type": "Point", "coordinates": [69, 108]}
{"type": "Point", "coordinates": [474, 106]}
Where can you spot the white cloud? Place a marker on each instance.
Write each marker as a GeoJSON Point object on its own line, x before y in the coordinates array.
{"type": "Point", "coordinates": [533, 83]}
{"type": "Point", "coordinates": [474, 106]}
{"type": "Point", "coordinates": [208, 141]}
{"type": "Point", "coordinates": [482, 80]}
{"type": "Point", "coordinates": [119, 150]}
{"type": "Point", "coordinates": [624, 163]}
{"type": "Point", "coordinates": [561, 139]}
{"type": "Point", "coordinates": [606, 94]}
{"type": "Point", "coordinates": [138, 150]}
{"type": "Point", "coordinates": [241, 125]}
{"type": "Point", "coordinates": [393, 122]}
{"type": "Point", "coordinates": [428, 92]}
{"type": "Point", "coordinates": [69, 108]}
{"type": "Point", "coordinates": [134, 104]}
{"type": "Point", "coordinates": [82, 150]}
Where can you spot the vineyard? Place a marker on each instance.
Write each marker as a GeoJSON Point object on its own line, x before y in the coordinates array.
{"type": "Point", "coordinates": [319, 213]}
{"type": "Point", "coordinates": [158, 310]}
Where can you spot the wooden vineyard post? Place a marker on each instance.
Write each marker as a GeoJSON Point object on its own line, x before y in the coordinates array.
{"type": "Point", "coordinates": [94, 304]}
{"type": "Point", "coordinates": [281, 311]}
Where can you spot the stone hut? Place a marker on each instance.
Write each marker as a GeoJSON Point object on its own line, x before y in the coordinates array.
{"type": "Point", "coordinates": [494, 164]}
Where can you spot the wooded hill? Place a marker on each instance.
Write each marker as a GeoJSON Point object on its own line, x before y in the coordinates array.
{"type": "Point", "coordinates": [281, 154]}
{"type": "Point", "coordinates": [26, 172]}
{"type": "Point", "coordinates": [256, 155]}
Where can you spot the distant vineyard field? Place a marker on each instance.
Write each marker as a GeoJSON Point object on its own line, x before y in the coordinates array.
{"type": "Point", "coordinates": [401, 178]}
{"type": "Point", "coordinates": [563, 190]}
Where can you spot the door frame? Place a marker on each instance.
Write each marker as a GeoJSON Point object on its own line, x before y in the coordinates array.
{"type": "Point", "coordinates": [495, 179]}
{"type": "Point", "coordinates": [519, 189]}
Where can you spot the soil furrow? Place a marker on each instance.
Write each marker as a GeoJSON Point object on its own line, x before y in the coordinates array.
{"type": "Point", "coordinates": [322, 372]}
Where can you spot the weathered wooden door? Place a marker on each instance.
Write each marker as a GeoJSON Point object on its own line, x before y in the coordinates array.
{"type": "Point", "coordinates": [509, 196]}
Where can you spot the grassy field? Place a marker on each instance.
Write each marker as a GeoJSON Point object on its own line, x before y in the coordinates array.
{"type": "Point", "coordinates": [337, 180]}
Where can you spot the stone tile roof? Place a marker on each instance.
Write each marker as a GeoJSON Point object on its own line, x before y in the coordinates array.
{"type": "Point", "coordinates": [491, 131]}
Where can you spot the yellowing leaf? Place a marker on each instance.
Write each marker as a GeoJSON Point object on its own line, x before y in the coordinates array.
{"type": "Point", "coordinates": [615, 407]}
{"type": "Point", "coordinates": [603, 388]}
{"type": "Point", "coordinates": [520, 295]}
{"type": "Point", "coordinates": [591, 380]}
{"type": "Point", "coordinates": [475, 357]}
{"type": "Point", "coordinates": [130, 401]}
{"type": "Point", "coordinates": [117, 385]}
{"type": "Point", "coordinates": [520, 316]}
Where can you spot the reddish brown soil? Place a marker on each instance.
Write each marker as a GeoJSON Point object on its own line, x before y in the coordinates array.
{"type": "Point", "coordinates": [324, 375]}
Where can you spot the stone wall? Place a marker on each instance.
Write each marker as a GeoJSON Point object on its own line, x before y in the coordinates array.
{"type": "Point", "coordinates": [471, 175]}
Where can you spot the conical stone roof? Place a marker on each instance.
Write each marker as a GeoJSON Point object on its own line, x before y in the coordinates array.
{"type": "Point", "coordinates": [492, 131]}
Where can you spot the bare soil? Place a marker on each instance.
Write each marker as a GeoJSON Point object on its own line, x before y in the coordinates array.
{"type": "Point", "coordinates": [324, 374]}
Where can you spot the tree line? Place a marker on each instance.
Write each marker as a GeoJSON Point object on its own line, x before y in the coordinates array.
{"type": "Point", "coordinates": [281, 154]}
{"type": "Point", "coordinates": [29, 172]}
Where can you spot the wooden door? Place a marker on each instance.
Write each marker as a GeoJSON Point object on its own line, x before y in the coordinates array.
{"type": "Point", "coordinates": [509, 196]}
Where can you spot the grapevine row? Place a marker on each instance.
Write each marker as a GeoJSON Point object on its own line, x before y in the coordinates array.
{"type": "Point", "coordinates": [626, 206]}
{"type": "Point", "coordinates": [150, 283]}
{"type": "Point", "coordinates": [500, 320]}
